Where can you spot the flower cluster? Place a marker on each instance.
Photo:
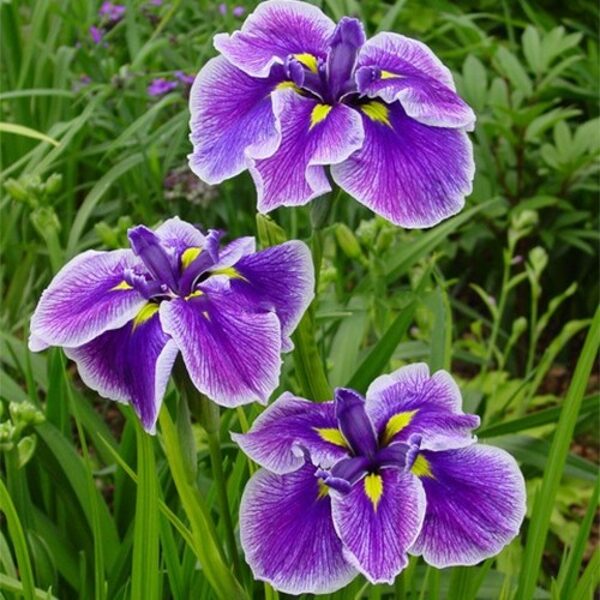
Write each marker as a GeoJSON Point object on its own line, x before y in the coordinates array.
{"type": "Point", "coordinates": [293, 92]}
{"type": "Point", "coordinates": [110, 14]}
{"type": "Point", "coordinates": [123, 316]}
{"type": "Point", "coordinates": [352, 486]}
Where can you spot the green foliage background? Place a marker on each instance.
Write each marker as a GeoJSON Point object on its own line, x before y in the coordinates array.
{"type": "Point", "coordinates": [502, 294]}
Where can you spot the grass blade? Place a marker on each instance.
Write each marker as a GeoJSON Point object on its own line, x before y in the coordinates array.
{"type": "Point", "coordinates": [542, 510]}
{"type": "Point", "coordinates": [20, 543]}
{"type": "Point", "coordinates": [27, 132]}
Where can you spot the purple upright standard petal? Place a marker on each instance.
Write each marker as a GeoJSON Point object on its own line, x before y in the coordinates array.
{"type": "Point", "coordinates": [411, 174]}
{"type": "Point", "coordinates": [275, 30]}
{"type": "Point", "coordinates": [86, 298]}
{"type": "Point", "coordinates": [288, 429]}
{"type": "Point", "coordinates": [393, 67]}
{"type": "Point", "coordinates": [475, 504]}
{"type": "Point", "coordinates": [231, 120]}
{"type": "Point", "coordinates": [131, 364]}
{"type": "Point", "coordinates": [410, 402]}
{"type": "Point", "coordinates": [287, 533]}
{"type": "Point", "coordinates": [312, 134]}
{"type": "Point", "coordinates": [378, 520]}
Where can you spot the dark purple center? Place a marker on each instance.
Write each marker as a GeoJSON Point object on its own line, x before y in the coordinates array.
{"type": "Point", "coordinates": [368, 454]}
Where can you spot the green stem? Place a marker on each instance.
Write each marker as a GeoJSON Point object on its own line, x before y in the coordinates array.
{"type": "Point", "coordinates": [207, 413]}
{"type": "Point", "coordinates": [214, 446]}
{"type": "Point", "coordinates": [499, 314]}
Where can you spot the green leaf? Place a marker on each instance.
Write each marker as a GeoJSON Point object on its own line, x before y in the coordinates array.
{"type": "Point", "coordinates": [27, 132]}
{"type": "Point", "coordinates": [19, 541]}
{"type": "Point", "coordinates": [514, 70]}
{"type": "Point", "coordinates": [557, 458]}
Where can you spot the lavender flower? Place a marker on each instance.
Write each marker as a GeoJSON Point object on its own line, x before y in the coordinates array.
{"type": "Point", "coordinates": [223, 8]}
{"type": "Point", "coordinates": [238, 11]}
{"type": "Point", "coordinates": [161, 86]}
{"type": "Point", "coordinates": [113, 13]}
{"type": "Point", "coordinates": [124, 315]}
{"type": "Point", "coordinates": [185, 79]}
{"type": "Point", "coordinates": [293, 93]}
{"type": "Point", "coordinates": [96, 34]}
{"type": "Point", "coordinates": [354, 485]}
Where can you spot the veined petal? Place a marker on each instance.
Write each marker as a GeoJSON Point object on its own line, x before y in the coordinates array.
{"type": "Point", "coordinates": [231, 352]}
{"type": "Point", "coordinates": [397, 53]}
{"type": "Point", "coordinates": [409, 173]}
{"type": "Point", "coordinates": [378, 520]}
{"type": "Point", "coordinates": [280, 278]}
{"type": "Point", "coordinates": [313, 135]}
{"type": "Point", "coordinates": [475, 505]}
{"type": "Point", "coordinates": [131, 364]}
{"type": "Point", "coordinates": [410, 402]}
{"type": "Point", "coordinates": [275, 30]}
{"type": "Point", "coordinates": [233, 252]}
{"type": "Point", "coordinates": [86, 298]}
{"type": "Point", "coordinates": [394, 67]}
{"type": "Point", "coordinates": [180, 235]}
{"type": "Point", "coordinates": [287, 533]}
{"type": "Point", "coordinates": [231, 118]}
{"type": "Point", "coordinates": [290, 427]}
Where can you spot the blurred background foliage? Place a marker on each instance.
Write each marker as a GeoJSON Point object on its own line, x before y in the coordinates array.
{"type": "Point", "coordinates": [502, 294]}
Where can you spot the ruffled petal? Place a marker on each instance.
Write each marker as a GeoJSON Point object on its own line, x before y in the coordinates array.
{"type": "Point", "coordinates": [87, 297]}
{"type": "Point", "coordinates": [394, 67]}
{"type": "Point", "coordinates": [231, 350]}
{"type": "Point", "coordinates": [313, 135]}
{"type": "Point", "coordinates": [231, 118]}
{"type": "Point", "coordinates": [290, 429]}
{"type": "Point", "coordinates": [378, 520]}
{"type": "Point", "coordinates": [410, 402]}
{"type": "Point", "coordinates": [287, 533]}
{"type": "Point", "coordinates": [411, 174]}
{"type": "Point", "coordinates": [131, 364]}
{"type": "Point", "coordinates": [475, 504]}
{"type": "Point", "coordinates": [280, 278]}
{"type": "Point", "coordinates": [180, 235]}
{"type": "Point", "coordinates": [275, 30]}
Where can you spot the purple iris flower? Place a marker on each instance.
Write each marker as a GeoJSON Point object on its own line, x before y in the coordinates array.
{"type": "Point", "coordinates": [112, 12]}
{"type": "Point", "coordinates": [293, 92]}
{"type": "Point", "coordinates": [161, 86]}
{"type": "Point", "coordinates": [124, 315]}
{"type": "Point", "coordinates": [354, 485]}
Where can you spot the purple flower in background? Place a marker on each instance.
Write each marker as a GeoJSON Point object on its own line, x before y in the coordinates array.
{"type": "Point", "coordinates": [223, 8]}
{"type": "Point", "coordinates": [113, 13]}
{"type": "Point", "coordinates": [354, 485]}
{"type": "Point", "coordinates": [293, 92]}
{"type": "Point", "coordinates": [238, 11]}
{"type": "Point", "coordinates": [187, 80]}
{"type": "Point", "coordinates": [123, 316]}
{"type": "Point", "coordinates": [161, 86]}
{"type": "Point", "coordinates": [96, 34]}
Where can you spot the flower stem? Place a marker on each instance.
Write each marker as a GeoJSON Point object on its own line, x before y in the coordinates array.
{"type": "Point", "coordinates": [207, 413]}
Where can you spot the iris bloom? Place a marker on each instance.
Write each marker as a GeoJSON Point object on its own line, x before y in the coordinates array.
{"type": "Point", "coordinates": [293, 92]}
{"type": "Point", "coordinates": [353, 485]}
{"type": "Point", "coordinates": [123, 316]}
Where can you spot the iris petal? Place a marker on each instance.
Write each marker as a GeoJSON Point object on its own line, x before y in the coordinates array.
{"type": "Point", "coordinates": [287, 533]}
{"type": "Point", "coordinates": [475, 505]}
